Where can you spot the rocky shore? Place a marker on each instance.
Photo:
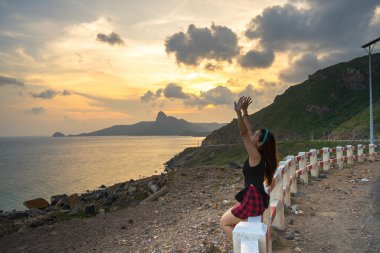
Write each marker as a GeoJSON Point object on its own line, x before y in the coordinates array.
{"type": "Point", "coordinates": [184, 217]}
{"type": "Point", "coordinates": [64, 207]}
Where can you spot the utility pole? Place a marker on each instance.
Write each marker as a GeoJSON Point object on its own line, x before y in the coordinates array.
{"type": "Point", "coordinates": [370, 46]}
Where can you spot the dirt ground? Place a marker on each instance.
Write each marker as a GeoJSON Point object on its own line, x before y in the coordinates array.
{"type": "Point", "coordinates": [340, 214]}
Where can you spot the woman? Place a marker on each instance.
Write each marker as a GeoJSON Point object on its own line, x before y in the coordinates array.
{"type": "Point", "coordinates": [258, 169]}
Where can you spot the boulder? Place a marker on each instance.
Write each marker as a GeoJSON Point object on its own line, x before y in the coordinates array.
{"type": "Point", "coordinates": [111, 197]}
{"type": "Point", "coordinates": [39, 203]}
{"type": "Point", "coordinates": [153, 186]}
{"type": "Point", "coordinates": [56, 198]}
{"type": "Point", "coordinates": [132, 190]}
{"type": "Point", "coordinates": [121, 187]}
{"type": "Point", "coordinates": [18, 214]}
{"type": "Point", "coordinates": [73, 200]}
{"type": "Point", "coordinates": [62, 203]}
{"type": "Point", "coordinates": [89, 209]}
{"type": "Point", "coordinates": [75, 211]}
{"type": "Point", "coordinates": [34, 212]}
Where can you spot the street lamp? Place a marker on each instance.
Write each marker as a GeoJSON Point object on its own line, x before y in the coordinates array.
{"type": "Point", "coordinates": [370, 46]}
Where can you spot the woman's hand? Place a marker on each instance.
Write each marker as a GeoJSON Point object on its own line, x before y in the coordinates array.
{"type": "Point", "coordinates": [239, 104]}
{"type": "Point", "coordinates": [246, 102]}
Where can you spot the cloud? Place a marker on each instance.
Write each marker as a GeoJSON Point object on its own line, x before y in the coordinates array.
{"type": "Point", "coordinates": [112, 39]}
{"type": "Point", "coordinates": [324, 26]}
{"type": "Point", "coordinates": [36, 110]}
{"type": "Point", "coordinates": [173, 90]}
{"type": "Point", "coordinates": [257, 59]}
{"type": "Point", "coordinates": [219, 43]}
{"type": "Point", "coordinates": [66, 93]}
{"type": "Point", "coordinates": [10, 81]}
{"type": "Point", "coordinates": [46, 94]}
{"type": "Point", "coordinates": [332, 30]}
{"type": "Point", "coordinates": [218, 96]}
{"type": "Point", "coordinates": [305, 65]}
{"type": "Point", "coordinates": [147, 97]}
{"type": "Point", "coordinates": [49, 94]}
{"type": "Point", "coordinates": [212, 67]}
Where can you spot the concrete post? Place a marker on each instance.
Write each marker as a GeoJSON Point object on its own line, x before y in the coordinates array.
{"type": "Point", "coordinates": [326, 159]}
{"type": "Point", "coordinates": [371, 152]}
{"type": "Point", "coordinates": [360, 153]}
{"type": "Point", "coordinates": [276, 200]}
{"type": "Point", "coordinates": [313, 161]}
{"type": "Point", "coordinates": [267, 221]}
{"type": "Point", "coordinates": [292, 174]}
{"type": "Point", "coordinates": [339, 156]}
{"type": "Point", "coordinates": [350, 159]}
{"type": "Point", "coordinates": [250, 237]}
{"type": "Point", "coordinates": [302, 166]}
{"type": "Point", "coordinates": [285, 182]}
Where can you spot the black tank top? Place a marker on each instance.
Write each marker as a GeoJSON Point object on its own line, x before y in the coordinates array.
{"type": "Point", "coordinates": [254, 175]}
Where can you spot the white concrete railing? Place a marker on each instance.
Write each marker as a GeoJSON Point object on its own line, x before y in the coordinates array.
{"type": "Point", "coordinates": [255, 235]}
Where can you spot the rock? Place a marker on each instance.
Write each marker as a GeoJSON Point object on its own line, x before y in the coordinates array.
{"type": "Point", "coordinates": [39, 203]}
{"type": "Point", "coordinates": [121, 187]}
{"type": "Point", "coordinates": [75, 211]}
{"type": "Point", "coordinates": [94, 196]}
{"type": "Point", "coordinates": [18, 214]}
{"type": "Point", "coordinates": [153, 186]}
{"type": "Point", "coordinates": [34, 212]}
{"type": "Point", "coordinates": [295, 208]}
{"type": "Point", "coordinates": [73, 200]}
{"type": "Point", "coordinates": [89, 209]}
{"type": "Point", "coordinates": [62, 203]}
{"type": "Point", "coordinates": [299, 212]}
{"type": "Point", "coordinates": [51, 209]}
{"type": "Point", "coordinates": [289, 236]}
{"type": "Point", "coordinates": [102, 186]}
{"type": "Point", "coordinates": [132, 190]}
{"type": "Point", "coordinates": [111, 197]}
{"type": "Point", "coordinates": [226, 202]}
{"type": "Point", "coordinates": [296, 249]}
{"type": "Point", "coordinates": [56, 198]}
{"type": "Point", "coordinates": [101, 211]}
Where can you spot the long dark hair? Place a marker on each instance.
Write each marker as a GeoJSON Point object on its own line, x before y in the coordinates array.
{"type": "Point", "coordinates": [269, 151]}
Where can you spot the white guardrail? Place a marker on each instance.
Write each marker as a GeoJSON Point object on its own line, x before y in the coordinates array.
{"type": "Point", "coordinates": [255, 234]}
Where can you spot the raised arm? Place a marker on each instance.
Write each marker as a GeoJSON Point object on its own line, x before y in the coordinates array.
{"type": "Point", "coordinates": [242, 127]}
{"type": "Point", "coordinates": [244, 107]}
{"type": "Point", "coordinates": [253, 153]}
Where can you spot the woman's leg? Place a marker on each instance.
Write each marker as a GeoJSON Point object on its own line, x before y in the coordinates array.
{"type": "Point", "coordinates": [228, 222]}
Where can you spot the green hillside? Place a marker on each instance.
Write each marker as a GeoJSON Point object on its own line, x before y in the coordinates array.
{"type": "Point", "coordinates": [331, 102]}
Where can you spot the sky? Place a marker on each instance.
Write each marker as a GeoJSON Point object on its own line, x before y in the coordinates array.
{"type": "Point", "coordinates": [80, 66]}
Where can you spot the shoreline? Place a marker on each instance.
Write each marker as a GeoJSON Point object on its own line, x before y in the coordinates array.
{"type": "Point", "coordinates": [42, 173]}
{"type": "Point", "coordinates": [186, 218]}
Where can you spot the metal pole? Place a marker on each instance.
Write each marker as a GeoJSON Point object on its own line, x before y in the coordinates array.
{"type": "Point", "coordinates": [369, 44]}
{"type": "Point", "coordinates": [370, 97]}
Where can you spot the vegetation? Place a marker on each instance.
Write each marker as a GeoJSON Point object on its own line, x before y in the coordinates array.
{"type": "Point", "coordinates": [331, 103]}
{"type": "Point", "coordinates": [223, 155]}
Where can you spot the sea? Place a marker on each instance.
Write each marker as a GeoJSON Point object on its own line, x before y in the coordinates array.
{"type": "Point", "coordinates": [33, 167]}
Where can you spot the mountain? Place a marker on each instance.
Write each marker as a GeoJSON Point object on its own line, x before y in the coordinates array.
{"type": "Point", "coordinates": [163, 125]}
{"type": "Point", "coordinates": [331, 103]}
